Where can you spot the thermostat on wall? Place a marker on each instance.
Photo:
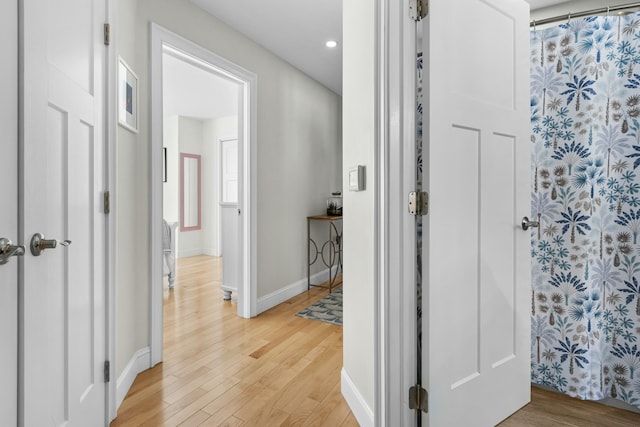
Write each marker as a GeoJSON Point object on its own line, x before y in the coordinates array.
{"type": "Point", "coordinates": [356, 178]}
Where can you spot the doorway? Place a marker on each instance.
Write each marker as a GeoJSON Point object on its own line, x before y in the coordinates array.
{"type": "Point", "coordinates": [200, 168]}
{"type": "Point", "coordinates": [166, 44]}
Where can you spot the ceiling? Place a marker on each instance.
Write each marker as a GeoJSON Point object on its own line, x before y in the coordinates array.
{"type": "Point", "coordinates": [194, 92]}
{"type": "Point", "coordinates": [295, 30]}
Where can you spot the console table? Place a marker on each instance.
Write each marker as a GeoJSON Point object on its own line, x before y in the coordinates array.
{"type": "Point", "coordinates": [333, 247]}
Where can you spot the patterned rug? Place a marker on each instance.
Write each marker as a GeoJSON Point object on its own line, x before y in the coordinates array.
{"type": "Point", "coordinates": [328, 309]}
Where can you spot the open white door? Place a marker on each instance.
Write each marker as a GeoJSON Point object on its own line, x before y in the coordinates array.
{"type": "Point", "coordinates": [476, 256]}
{"type": "Point", "coordinates": [229, 215]}
{"type": "Point", "coordinates": [9, 212]}
{"type": "Point", "coordinates": [63, 288]}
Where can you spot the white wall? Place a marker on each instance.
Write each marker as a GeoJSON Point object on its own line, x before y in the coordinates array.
{"type": "Point", "coordinates": [132, 212]}
{"type": "Point", "coordinates": [574, 6]}
{"type": "Point", "coordinates": [358, 149]}
{"type": "Point", "coordinates": [299, 159]}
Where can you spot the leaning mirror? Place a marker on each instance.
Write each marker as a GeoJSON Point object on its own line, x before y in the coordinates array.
{"type": "Point", "coordinates": [190, 192]}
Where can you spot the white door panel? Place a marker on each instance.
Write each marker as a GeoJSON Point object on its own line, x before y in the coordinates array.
{"type": "Point", "coordinates": [9, 211]}
{"type": "Point", "coordinates": [229, 170]}
{"type": "Point", "coordinates": [230, 221]}
{"type": "Point", "coordinates": [229, 215]}
{"type": "Point", "coordinates": [476, 265]}
{"type": "Point", "coordinates": [63, 312]}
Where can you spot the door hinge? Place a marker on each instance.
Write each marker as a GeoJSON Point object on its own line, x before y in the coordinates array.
{"type": "Point", "coordinates": [107, 371]}
{"type": "Point", "coordinates": [107, 34]}
{"type": "Point", "coordinates": [106, 202]}
{"type": "Point", "coordinates": [418, 203]}
{"type": "Point", "coordinates": [418, 9]}
{"type": "Point", "coordinates": [418, 398]}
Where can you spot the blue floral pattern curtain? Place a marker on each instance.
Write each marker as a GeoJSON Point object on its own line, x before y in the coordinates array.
{"type": "Point", "coordinates": [585, 159]}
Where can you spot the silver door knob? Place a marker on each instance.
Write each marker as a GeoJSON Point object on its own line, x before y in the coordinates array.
{"type": "Point", "coordinates": [39, 244]}
{"type": "Point", "coordinates": [526, 223]}
{"type": "Point", "coordinates": [8, 249]}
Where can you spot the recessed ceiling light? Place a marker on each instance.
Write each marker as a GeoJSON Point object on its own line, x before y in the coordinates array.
{"type": "Point", "coordinates": [332, 43]}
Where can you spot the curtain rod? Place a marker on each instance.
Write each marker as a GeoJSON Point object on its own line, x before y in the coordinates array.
{"type": "Point", "coordinates": [591, 12]}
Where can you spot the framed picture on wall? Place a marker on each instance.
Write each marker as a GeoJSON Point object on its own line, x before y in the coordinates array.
{"type": "Point", "coordinates": [164, 164]}
{"type": "Point", "coordinates": [127, 97]}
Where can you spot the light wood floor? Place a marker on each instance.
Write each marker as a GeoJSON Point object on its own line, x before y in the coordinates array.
{"type": "Point", "coordinates": [276, 369]}
{"type": "Point", "coordinates": [559, 410]}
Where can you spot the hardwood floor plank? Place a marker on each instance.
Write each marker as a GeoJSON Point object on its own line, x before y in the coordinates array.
{"type": "Point", "coordinates": [330, 412]}
{"type": "Point", "coordinates": [350, 421]}
{"type": "Point", "coordinates": [229, 422]}
{"type": "Point", "coordinates": [301, 413]}
{"type": "Point", "coordinates": [195, 420]}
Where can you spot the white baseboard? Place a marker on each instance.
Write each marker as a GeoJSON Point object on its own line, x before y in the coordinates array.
{"type": "Point", "coordinates": [195, 252]}
{"type": "Point", "coordinates": [360, 409]}
{"type": "Point", "coordinates": [140, 361]}
{"type": "Point", "coordinates": [190, 252]}
{"type": "Point", "coordinates": [281, 295]}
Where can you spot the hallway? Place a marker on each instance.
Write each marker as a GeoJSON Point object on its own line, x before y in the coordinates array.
{"type": "Point", "coordinates": [219, 369]}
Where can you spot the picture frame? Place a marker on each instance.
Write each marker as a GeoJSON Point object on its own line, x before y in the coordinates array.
{"type": "Point", "coordinates": [164, 164]}
{"type": "Point", "coordinates": [127, 97]}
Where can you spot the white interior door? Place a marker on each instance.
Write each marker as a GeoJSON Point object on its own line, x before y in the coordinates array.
{"type": "Point", "coordinates": [230, 248]}
{"type": "Point", "coordinates": [476, 268]}
{"type": "Point", "coordinates": [9, 211]}
{"type": "Point", "coordinates": [229, 215]}
{"type": "Point", "coordinates": [229, 170]}
{"type": "Point", "coordinates": [63, 290]}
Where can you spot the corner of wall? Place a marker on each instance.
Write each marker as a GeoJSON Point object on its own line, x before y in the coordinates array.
{"type": "Point", "coordinates": [283, 294]}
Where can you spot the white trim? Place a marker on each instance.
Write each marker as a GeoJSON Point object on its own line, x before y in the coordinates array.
{"type": "Point", "coordinates": [220, 169]}
{"type": "Point", "coordinates": [111, 126]}
{"type": "Point", "coordinates": [161, 41]}
{"type": "Point", "coordinates": [395, 334]}
{"type": "Point", "coordinates": [210, 252]}
{"type": "Point", "coordinates": [155, 250]}
{"type": "Point", "coordinates": [140, 361]}
{"type": "Point", "coordinates": [357, 404]}
{"type": "Point", "coordinates": [283, 294]}
{"type": "Point", "coordinates": [380, 238]}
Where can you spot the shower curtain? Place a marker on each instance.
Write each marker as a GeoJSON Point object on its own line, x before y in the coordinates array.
{"type": "Point", "coordinates": [585, 162]}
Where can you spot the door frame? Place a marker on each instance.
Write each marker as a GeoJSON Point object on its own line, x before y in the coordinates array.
{"type": "Point", "coordinates": [111, 129]}
{"type": "Point", "coordinates": [395, 229]}
{"type": "Point", "coordinates": [161, 37]}
{"type": "Point", "coordinates": [9, 20]}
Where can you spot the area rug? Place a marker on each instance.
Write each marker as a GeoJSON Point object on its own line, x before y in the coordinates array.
{"type": "Point", "coordinates": [328, 309]}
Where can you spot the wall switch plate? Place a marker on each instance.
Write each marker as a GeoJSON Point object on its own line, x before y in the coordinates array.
{"type": "Point", "coordinates": [356, 178]}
